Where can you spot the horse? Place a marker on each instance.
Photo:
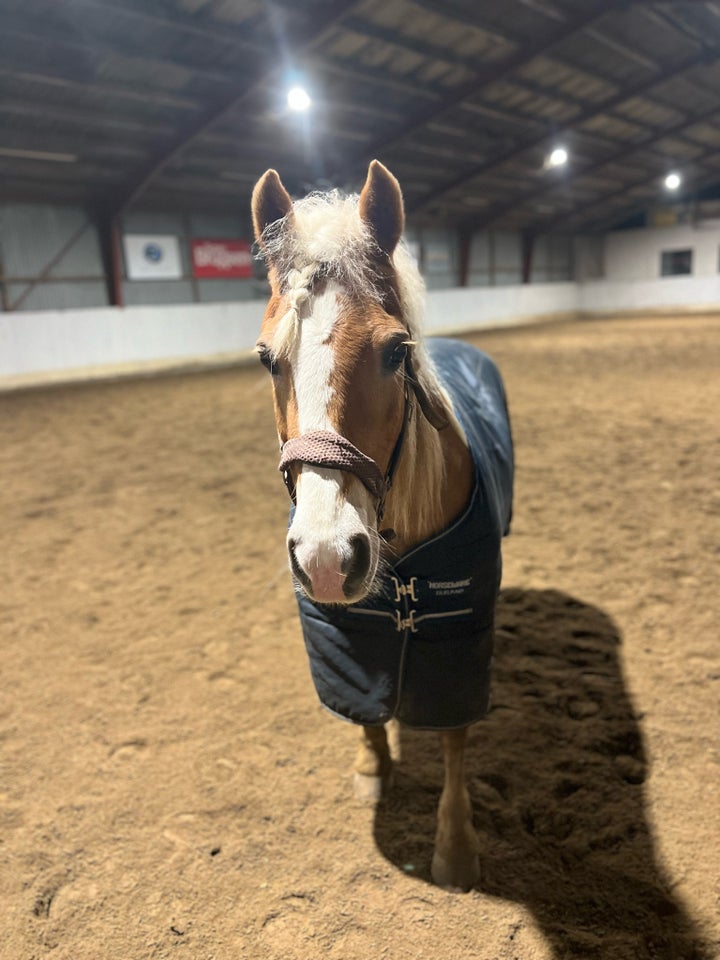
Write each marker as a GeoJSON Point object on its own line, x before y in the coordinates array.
{"type": "Point", "coordinates": [397, 454]}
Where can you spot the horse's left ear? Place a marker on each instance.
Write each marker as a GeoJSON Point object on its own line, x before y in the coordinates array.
{"type": "Point", "coordinates": [381, 207]}
{"type": "Point", "coordinates": [270, 202]}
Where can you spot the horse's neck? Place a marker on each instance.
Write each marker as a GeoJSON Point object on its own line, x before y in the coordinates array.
{"type": "Point", "coordinates": [433, 484]}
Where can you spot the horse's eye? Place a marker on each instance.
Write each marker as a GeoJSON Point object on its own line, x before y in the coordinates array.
{"type": "Point", "coordinates": [267, 360]}
{"type": "Point", "coordinates": [396, 356]}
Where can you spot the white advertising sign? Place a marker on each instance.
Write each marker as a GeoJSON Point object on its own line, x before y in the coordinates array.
{"type": "Point", "coordinates": [152, 256]}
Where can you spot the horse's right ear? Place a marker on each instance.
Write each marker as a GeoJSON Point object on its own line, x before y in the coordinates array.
{"type": "Point", "coordinates": [381, 207]}
{"type": "Point", "coordinates": [270, 202]}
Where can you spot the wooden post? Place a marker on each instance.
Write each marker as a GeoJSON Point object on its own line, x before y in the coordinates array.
{"type": "Point", "coordinates": [111, 252]}
{"type": "Point", "coordinates": [117, 298]}
{"type": "Point", "coordinates": [528, 243]}
{"type": "Point", "coordinates": [4, 298]}
{"type": "Point", "coordinates": [465, 235]}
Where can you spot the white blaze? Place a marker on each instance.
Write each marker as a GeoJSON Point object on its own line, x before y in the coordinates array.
{"type": "Point", "coordinates": [325, 519]}
{"type": "Point", "coordinates": [313, 360]}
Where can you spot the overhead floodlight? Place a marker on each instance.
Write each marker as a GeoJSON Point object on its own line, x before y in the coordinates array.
{"type": "Point", "coordinates": [558, 158]}
{"type": "Point", "coordinates": [672, 181]}
{"type": "Point", "coordinates": [298, 99]}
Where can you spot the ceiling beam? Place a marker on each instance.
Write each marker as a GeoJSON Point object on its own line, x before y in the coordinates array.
{"type": "Point", "coordinates": [29, 75]}
{"type": "Point", "coordinates": [430, 51]}
{"type": "Point", "coordinates": [175, 21]}
{"type": "Point", "coordinates": [667, 19]}
{"type": "Point", "coordinates": [377, 78]}
{"type": "Point", "coordinates": [546, 9]}
{"type": "Point", "coordinates": [84, 119]}
{"type": "Point", "coordinates": [88, 146]}
{"type": "Point", "coordinates": [433, 51]}
{"type": "Point", "coordinates": [490, 74]}
{"type": "Point", "coordinates": [386, 81]}
{"type": "Point", "coordinates": [567, 217]}
{"type": "Point", "coordinates": [499, 210]}
{"type": "Point", "coordinates": [324, 21]}
{"type": "Point", "coordinates": [642, 59]}
{"type": "Point", "coordinates": [442, 8]}
{"type": "Point", "coordinates": [473, 20]}
{"type": "Point", "coordinates": [560, 16]}
{"type": "Point", "coordinates": [592, 110]}
{"type": "Point", "coordinates": [17, 29]}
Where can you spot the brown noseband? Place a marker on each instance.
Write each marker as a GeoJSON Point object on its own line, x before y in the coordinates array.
{"type": "Point", "coordinates": [323, 448]}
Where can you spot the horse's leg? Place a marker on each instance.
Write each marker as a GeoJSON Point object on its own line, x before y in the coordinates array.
{"type": "Point", "coordinates": [373, 764]}
{"type": "Point", "coordinates": [455, 862]}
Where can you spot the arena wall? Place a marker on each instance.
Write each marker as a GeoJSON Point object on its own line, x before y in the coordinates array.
{"type": "Point", "coordinates": [673, 295]}
{"type": "Point", "coordinates": [636, 254]}
{"type": "Point", "coordinates": [60, 345]}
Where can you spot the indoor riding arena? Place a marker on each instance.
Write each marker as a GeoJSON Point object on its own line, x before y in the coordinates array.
{"type": "Point", "coordinates": [170, 785]}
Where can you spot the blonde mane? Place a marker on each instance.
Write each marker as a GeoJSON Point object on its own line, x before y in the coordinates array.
{"type": "Point", "coordinates": [324, 236]}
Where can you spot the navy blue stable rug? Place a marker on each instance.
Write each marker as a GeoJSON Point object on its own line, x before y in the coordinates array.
{"type": "Point", "coordinates": [420, 649]}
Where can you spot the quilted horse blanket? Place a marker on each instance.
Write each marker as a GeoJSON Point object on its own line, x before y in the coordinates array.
{"type": "Point", "coordinates": [420, 649]}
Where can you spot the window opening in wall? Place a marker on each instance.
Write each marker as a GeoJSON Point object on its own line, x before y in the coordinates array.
{"type": "Point", "coordinates": [675, 262]}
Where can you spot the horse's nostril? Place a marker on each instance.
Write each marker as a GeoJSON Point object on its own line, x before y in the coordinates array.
{"type": "Point", "coordinates": [356, 568]}
{"type": "Point", "coordinates": [361, 550]}
{"type": "Point", "coordinates": [295, 566]}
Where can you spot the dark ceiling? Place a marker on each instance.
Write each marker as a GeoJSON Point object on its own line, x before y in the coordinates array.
{"type": "Point", "coordinates": [181, 103]}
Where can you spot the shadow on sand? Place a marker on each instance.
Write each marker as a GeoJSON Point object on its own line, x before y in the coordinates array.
{"type": "Point", "coordinates": [556, 776]}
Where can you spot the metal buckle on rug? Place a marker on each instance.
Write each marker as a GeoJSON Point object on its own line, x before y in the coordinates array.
{"type": "Point", "coordinates": [405, 624]}
{"type": "Point", "coordinates": [405, 591]}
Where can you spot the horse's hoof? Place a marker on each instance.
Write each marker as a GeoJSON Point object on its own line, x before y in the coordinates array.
{"type": "Point", "coordinates": [371, 789]}
{"type": "Point", "coordinates": [459, 876]}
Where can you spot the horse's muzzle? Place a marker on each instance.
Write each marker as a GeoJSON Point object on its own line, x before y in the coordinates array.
{"type": "Point", "coordinates": [327, 577]}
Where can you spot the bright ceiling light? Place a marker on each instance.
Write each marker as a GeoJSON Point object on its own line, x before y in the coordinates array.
{"type": "Point", "coordinates": [673, 181]}
{"type": "Point", "coordinates": [558, 158]}
{"type": "Point", "coordinates": [298, 99]}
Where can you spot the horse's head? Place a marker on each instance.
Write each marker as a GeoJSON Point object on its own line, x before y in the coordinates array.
{"type": "Point", "coordinates": [337, 339]}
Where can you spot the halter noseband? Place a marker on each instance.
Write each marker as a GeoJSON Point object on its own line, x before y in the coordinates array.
{"type": "Point", "coordinates": [323, 448]}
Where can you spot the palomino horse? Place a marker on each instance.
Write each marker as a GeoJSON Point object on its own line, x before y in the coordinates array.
{"type": "Point", "coordinates": [397, 455]}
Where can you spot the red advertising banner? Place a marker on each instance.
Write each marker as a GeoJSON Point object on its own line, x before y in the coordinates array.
{"type": "Point", "coordinates": [221, 258]}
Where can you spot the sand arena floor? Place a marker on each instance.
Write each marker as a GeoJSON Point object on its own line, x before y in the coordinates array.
{"type": "Point", "coordinates": [170, 788]}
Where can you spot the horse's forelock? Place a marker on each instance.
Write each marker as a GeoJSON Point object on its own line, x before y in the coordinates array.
{"type": "Point", "coordinates": [326, 238]}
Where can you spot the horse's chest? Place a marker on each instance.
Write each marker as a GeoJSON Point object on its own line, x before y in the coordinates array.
{"type": "Point", "coordinates": [419, 651]}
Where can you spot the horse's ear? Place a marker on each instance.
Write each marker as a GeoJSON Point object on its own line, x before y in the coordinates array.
{"type": "Point", "coordinates": [270, 202]}
{"type": "Point", "coordinates": [381, 207]}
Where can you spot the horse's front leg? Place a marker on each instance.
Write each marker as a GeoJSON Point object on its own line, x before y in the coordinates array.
{"type": "Point", "coordinates": [455, 864]}
{"type": "Point", "coordinates": [373, 765]}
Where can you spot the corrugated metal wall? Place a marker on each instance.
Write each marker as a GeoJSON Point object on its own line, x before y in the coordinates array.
{"type": "Point", "coordinates": [32, 235]}
{"type": "Point", "coordinates": [553, 259]}
{"type": "Point", "coordinates": [189, 289]}
{"type": "Point", "coordinates": [495, 258]}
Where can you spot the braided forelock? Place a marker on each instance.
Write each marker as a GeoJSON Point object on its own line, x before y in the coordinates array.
{"type": "Point", "coordinates": [325, 236]}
